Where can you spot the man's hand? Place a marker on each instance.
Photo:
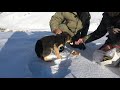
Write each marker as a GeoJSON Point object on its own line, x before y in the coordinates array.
{"type": "Point", "coordinates": [80, 41]}
{"type": "Point", "coordinates": [57, 31]}
{"type": "Point", "coordinates": [107, 48]}
{"type": "Point", "coordinates": [116, 30]}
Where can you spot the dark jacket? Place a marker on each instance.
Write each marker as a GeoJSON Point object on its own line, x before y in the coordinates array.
{"type": "Point", "coordinates": [107, 24]}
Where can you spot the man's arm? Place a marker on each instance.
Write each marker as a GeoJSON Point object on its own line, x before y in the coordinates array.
{"type": "Point", "coordinates": [85, 18]}
{"type": "Point", "coordinates": [85, 29]}
{"type": "Point", "coordinates": [56, 20]}
{"type": "Point", "coordinates": [100, 32]}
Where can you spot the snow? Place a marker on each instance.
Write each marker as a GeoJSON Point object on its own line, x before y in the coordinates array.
{"type": "Point", "coordinates": [18, 58]}
{"type": "Point", "coordinates": [25, 21]}
{"type": "Point", "coordinates": [35, 21]}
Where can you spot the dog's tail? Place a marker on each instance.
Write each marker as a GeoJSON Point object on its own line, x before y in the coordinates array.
{"type": "Point", "coordinates": [39, 48]}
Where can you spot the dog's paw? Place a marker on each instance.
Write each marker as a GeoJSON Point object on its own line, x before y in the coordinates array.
{"type": "Point", "coordinates": [60, 57]}
{"type": "Point", "coordinates": [75, 53]}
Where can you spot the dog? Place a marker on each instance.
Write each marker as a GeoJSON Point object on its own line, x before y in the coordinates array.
{"type": "Point", "coordinates": [47, 44]}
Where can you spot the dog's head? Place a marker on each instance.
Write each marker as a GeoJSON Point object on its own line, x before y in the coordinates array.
{"type": "Point", "coordinates": [67, 37]}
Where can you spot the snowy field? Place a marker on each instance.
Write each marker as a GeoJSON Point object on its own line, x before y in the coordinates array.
{"type": "Point", "coordinates": [35, 21]}
{"type": "Point", "coordinates": [18, 58]}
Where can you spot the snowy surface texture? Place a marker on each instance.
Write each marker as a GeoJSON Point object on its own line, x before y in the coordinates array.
{"type": "Point", "coordinates": [18, 60]}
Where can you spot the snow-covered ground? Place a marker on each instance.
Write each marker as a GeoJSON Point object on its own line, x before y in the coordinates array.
{"type": "Point", "coordinates": [18, 58]}
{"type": "Point", "coordinates": [25, 21]}
{"type": "Point", "coordinates": [35, 21]}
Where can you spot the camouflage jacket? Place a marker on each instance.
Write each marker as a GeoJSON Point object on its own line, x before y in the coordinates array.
{"type": "Point", "coordinates": [74, 21]}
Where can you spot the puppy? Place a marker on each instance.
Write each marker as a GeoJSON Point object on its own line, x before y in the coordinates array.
{"type": "Point", "coordinates": [46, 45]}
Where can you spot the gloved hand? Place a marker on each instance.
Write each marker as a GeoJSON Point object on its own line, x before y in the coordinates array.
{"type": "Point", "coordinates": [80, 46]}
{"type": "Point", "coordinates": [79, 41]}
{"type": "Point", "coordinates": [57, 31]}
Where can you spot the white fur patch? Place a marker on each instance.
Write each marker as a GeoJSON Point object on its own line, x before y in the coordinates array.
{"type": "Point", "coordinates": [54, 69]}
{"type": "Point", "coordinates": [57, 61]}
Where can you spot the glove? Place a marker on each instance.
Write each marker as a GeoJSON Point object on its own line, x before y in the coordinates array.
{"type": "Point", "coordinates": [57, 31]}
{"type": "Point", "coordinates": [80, 46]}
